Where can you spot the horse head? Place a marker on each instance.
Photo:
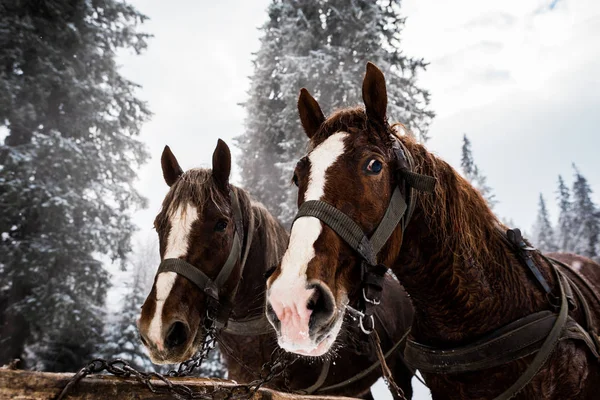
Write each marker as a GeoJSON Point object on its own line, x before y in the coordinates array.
{"type": "Point", "coordinates": [196, 227]}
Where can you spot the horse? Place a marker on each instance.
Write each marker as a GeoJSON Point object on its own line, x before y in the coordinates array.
{"type": "Point", "coordinates": [494, 318]}
{"type": "Point", "coordinates": [216, 245]}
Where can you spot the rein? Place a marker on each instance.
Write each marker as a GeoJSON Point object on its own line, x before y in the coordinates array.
{"type": "Point", "coordinates": [398, 212]}
{"type": "Point", "coordinates": [218, 309]}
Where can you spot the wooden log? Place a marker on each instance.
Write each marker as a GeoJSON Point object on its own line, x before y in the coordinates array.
{"type": "Point", "coordinates": [30, 385]}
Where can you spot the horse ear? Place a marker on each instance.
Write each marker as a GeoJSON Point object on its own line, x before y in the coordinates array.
{"type": "Point", "coordinates": [221, 165]}
{"type": "Point", "coordinates": [170, 167]}
{"type": "Point", "coordinates": [374, 93]}
{"type": "Point", "coordinates": [310, 112]}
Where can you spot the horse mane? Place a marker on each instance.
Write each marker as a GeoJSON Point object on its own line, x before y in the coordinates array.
{"type": "Point", "coordinates": [271, 231]}
{"type": "Point", "coordinates": [456, 213]}
{"type": "Point", "coordinates": [462, 219]}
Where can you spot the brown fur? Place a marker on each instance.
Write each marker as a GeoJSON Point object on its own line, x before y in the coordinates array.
{"type": "Point", "coordinates": [245, 355]}
{"type": "Point", "coordinates": [463, 280]}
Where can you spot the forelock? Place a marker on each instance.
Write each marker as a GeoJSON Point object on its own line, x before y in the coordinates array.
{"type": "Point", "coordinates": [197, 187]}
{"type": "Point", "coordinates": [353, 121]}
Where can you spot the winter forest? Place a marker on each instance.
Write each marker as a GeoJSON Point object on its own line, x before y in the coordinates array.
{"type": "Point", "coordinates": [83, 122]}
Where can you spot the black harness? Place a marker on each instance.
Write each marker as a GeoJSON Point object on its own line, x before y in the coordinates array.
{"type": "Point", "coordinates": [398, 212]}
{"type": "Point", "coordinates": [219, 307]}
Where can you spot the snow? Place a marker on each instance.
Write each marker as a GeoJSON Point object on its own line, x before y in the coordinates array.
{"type": "Point", "coordinates": [381, 392]}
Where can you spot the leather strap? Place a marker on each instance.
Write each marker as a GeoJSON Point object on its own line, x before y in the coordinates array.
{"type": "Point", "coordinates": [234, 257]}
{"type": "Point", "coordinates": [342, 224]}
{"type": "Point", "coordinates": [422, 183]}
{"type": "Point", "coordinates": [367, 371]}
{"type": "Point", "coordinates": [321, 379]}
{"type": "Point", "coordinates": [536, 333]}
{"type": "Point", "coordinates": [258, 325]}
{"type": "Point", "coordinates": [197, 277]}
{"type": "Point", "coordinates": [547, 347]}
{"type": "Point", "coordinates": [392, 217]}
{"type": "Point", "coordinates": [513, 341]}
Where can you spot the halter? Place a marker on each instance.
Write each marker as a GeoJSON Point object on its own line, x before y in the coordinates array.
{"type": "Point", "coordinates": [399, 211]}
{"type": "Point", "coordinates": [218, 310]}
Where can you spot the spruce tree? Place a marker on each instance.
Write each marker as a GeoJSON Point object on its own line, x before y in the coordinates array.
{"type": "Point", "coordinates": [67, 167]}
{"type": "Point", "coordinates": [544, 233]}
{"type": "Point", "coordinates": [123, 340]}
{"type": "Point", "coordinates": [564, 234]}
{"type": "Point", "coordinates": [585, 223]}
{"type": "Point", "coordinates": [323, 46]}
{"type": "Point", "coordinates": [473, 175]}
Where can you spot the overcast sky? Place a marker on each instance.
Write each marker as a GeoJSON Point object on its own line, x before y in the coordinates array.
{"type": "Point", "coordinates": [520, 77]}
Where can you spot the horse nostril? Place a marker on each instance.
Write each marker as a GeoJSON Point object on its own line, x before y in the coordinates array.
{"type": "Point", "coordinates": [321, 305]}
{"type": "Point", "coordinates": [177, 335]}
{"type": "Point", "coordinates": [272, 316]}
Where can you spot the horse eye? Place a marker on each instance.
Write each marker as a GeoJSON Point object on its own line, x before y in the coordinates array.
{"type": "Point", "coordinates": [374, 166]}
{"type": "Point", "coordinates": [295, 179]}
{"type": "Point", "coordinates": [220, 225]}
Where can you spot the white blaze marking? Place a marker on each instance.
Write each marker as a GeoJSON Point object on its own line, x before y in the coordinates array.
{"type": "Point", "coordinates": [177, 246]}
{"type": "Point", "coordinates": [306, 230]}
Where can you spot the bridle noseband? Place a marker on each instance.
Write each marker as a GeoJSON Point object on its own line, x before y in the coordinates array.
{"type": "Point", "coordinates": [399, 211]}
{"type": "Point", "coordinates": [218, 309]}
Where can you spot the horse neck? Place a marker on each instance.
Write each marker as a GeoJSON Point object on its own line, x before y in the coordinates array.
{"type": "Point", "coordinates": [463, 279]}
{"type": "Point", "coordinates": [269, 240]}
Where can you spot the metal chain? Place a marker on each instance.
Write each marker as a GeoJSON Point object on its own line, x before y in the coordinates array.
{"type": "Point", "coordinates": [186, 368]}
{"type": "Point", "coordinates": [120, 368]}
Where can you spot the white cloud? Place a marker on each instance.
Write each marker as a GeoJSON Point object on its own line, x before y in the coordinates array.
{"type": "Point", "coordinates": [481, 50]}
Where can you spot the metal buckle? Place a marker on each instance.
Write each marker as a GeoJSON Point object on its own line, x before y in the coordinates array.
{"type": "Point", "coordinates": [362, 326]}
{"type": "Point", "coordinates": [375, 302]}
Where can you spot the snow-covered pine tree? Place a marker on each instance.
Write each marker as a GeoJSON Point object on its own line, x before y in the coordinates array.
{"type": "Point", "coordinates": [473, 175]}
{"type": "Point", "coordinates": [564, 230]}
{"type": "Point", "coordinates": [67, 167]}
{"type": "Point", "coordinates": [543, 232]}
{"type": "Point", "coordinates": [322, 45]}
{"type": "Point", "coordinates": [585, 223]}
{"type": "Point", "coordinates": [122, 337]}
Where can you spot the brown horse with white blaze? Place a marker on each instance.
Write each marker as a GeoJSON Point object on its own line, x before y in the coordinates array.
{"type": "Point", "coordinates": [197, 226]}
{"type": "Point", "coordinates": [466, 279]}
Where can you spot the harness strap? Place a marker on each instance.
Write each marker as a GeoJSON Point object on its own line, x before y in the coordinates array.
{"type": "Point", "coordinates": [422, 183]}
{"type": "Point", "coordinates": [320, 380]}
{"type": "Point", "coordinates": [249, 327]}
{"type": "Point", "coordinates": [547, 347]}
{"type": "Point", "coordinates": [234, 256]}
{"type": "Point", "coordinates": [192, 273]}
{"type": "Point", "coordinates": [367, 371]}
{"type": "Point", "coordinates": [515, 238]}
{"type": "Point", "coordinates": [588, 334]}
{"type": "Point", "coordinates": [342, 224]}
{"type": "Point", "coordinates": [513, 341]}
{"type": "Point", "coordinates": [392, 217]}
{"type": "Point", "coordinates": [516, 340]}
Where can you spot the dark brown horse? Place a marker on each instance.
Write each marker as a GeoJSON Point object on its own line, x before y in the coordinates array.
{"type": "Point", "coordinates": [197, 228]}
{"type": "Point", "coordinates": [464, 278]}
